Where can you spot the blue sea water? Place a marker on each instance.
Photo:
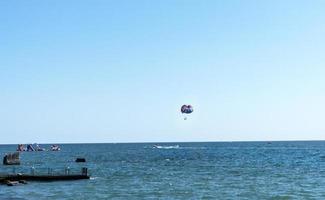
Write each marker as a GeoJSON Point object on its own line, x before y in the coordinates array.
{"type": "Point", "coordinates": [220, 170]}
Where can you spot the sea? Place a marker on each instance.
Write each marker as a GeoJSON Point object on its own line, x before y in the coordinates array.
{"type": "Point", "coordinates": [207, 170]}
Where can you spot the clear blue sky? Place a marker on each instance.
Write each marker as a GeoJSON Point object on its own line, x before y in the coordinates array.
{"type": "Point", "coordinates": [118, 71]}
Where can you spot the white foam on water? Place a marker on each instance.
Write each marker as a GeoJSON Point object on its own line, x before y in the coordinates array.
{"type": "Point", "coordinates": [166, 147]}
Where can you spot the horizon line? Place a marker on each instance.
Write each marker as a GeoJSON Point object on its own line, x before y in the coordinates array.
{"type": "Point", "coordinates": [153, 142]}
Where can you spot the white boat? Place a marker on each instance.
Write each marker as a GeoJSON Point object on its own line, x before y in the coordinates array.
{"type": "Point", "coordinates": [55, 148]}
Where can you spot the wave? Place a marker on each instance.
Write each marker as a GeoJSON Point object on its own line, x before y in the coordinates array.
{"type": "Point", "coordinates": [176, 147]}
{"type": "Point", "coordinates": [193, 148]}
{"type": "Point", "coordinates": [165, 147]}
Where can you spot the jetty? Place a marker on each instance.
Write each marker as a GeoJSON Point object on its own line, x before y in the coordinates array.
{"type": "Point", "coordinates": [50, 176]}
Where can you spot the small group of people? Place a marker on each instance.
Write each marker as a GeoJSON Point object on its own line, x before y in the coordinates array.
{"type": "Point", "coordinates": [30, 147]}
